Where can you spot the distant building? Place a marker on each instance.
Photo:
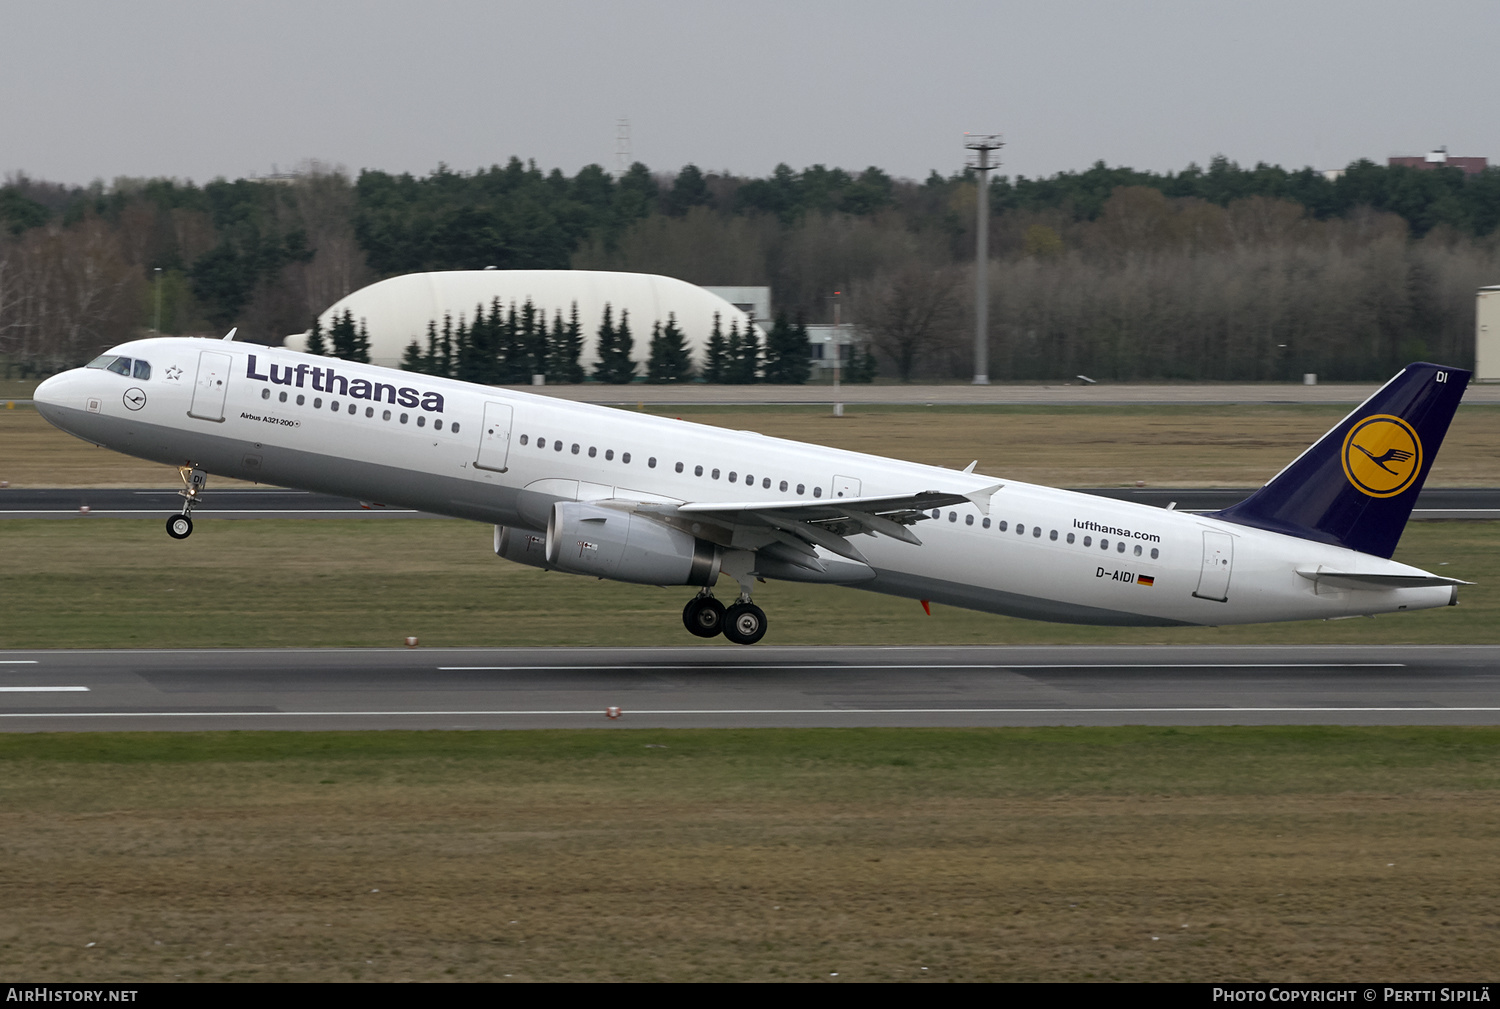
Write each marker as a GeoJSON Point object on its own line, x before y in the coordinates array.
{"type": "Point", "coordinates": [1440, 158]}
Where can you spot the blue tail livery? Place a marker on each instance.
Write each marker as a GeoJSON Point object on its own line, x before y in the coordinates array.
{"type": "Point", "coordinates": [1356, 486]}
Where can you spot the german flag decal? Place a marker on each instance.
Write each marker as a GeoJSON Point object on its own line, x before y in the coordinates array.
{"type": "Point", "coordinates": [1145, 580]}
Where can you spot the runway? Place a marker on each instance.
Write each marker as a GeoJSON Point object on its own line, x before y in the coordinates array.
{"type": "Point", "coordinates": [738, 687]}
{"type": "Point", "coordinates": [1434, 503]}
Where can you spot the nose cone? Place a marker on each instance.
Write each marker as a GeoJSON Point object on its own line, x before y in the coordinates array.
{"type": "Point", "coordinates": [61, 394]}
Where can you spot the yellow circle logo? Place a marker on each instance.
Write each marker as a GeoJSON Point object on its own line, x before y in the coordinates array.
{"type": "Point", "coordinates": [1382, 455]}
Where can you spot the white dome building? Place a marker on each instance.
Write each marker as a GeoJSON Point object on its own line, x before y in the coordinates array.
{"type": "Point", "coordinates": [396, 311]}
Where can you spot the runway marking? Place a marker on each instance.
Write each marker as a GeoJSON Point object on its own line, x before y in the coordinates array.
{"type": "Point", "coordinates": [43, 690]}
{"type": "Point", "coordinates": [599, 712]}
{"type": "Point", "coordinates": [18, 662]}
{"type": "Point", "coordinates": [978, 665]}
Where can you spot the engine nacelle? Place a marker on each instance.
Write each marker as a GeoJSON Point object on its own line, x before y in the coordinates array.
{"type": "Point", "coordinates": [585, 539]}
{"type": "Point", "coordinates": [524, 546]}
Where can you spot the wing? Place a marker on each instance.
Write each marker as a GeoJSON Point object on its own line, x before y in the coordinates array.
{"type": "Point", "coordinates": [792, 529]}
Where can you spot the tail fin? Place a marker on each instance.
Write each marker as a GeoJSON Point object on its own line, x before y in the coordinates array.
{"type": "Point", "coordinates": [1356, 486]}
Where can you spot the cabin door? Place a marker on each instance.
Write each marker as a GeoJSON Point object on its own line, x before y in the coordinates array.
{"type": "Point", "coordinates": [494, 438]}
{"type": "Point", "coordinates": [1218, 562]}
{"type": "Point", "coordinates": [211, 386]}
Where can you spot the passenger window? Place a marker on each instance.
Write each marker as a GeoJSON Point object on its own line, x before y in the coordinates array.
{"type": "Point", "coordinates": [1052, 536]}
{"type": "Point", "coordinates": [625, 457]}
{"type": "Point", "coordinates": [352, 408]}
{"type": "Point", "coordinates": [422, 422]}
{"type": "Point", "coordinates": [651, 463]}
{"type": "Point", "coordinates": [968, 520]}
{"type": "Point", "coordinates": [370, 412]}
{"type": "Point", "coordinates": [749, 480]}
{"type": "Point", "coordinates": [593, 451]}
{"type": "Point", "coordinates": [282, 396]}
{"type": "Point", "coordinates": [334, 406]}
{"type": "Point", "coordinates": [817, 492]}
{"type": "Point", "coordinates": [1153, 553]}
{"type": "Point", "coordinates": [437, 423]}
{"type": "Point", "coordinates": [609, 454]}
{"type": "Point", "coordinates": [265, 394]}
{"type": "Point", "coordinates": [714, 475]}
{"type": "Point", "coordinates": [1088, 541]}
{"type": "Point", "coordinates": [986, 523]}
{"type": "Point", "coordinates": [301, 399]}
{"type": "Point", "coordinates": [1104, 544]}
{"type": "Point", "coordinates": [1070, 537]}
{"type": "Point", "coordinates": [452, 427]}
{"type": "Point", "coordinates": [317, 402]}
{"type": "Point", "coordinates": [765, 483]}
{"type": "Point", "coordinates": [801, 492]}
{"type": "Point", "coordinates": [556, 442]}
{"type": "Point", "coordinates": [1137, 549]}
{"type": "Point", "coordinates": [404, 416]}
{"type": "Point", "coordinates": [783, 486]}
{"type": "Point", "coordinates": [1020, 529]}
{"type": "Point", "coordinates": [386, 415]}
{"type": "Point", "coordinates": [1036, 532]}
{"type": "Point", "coordinates": [1004, 525]}
{"type": "Point", "coordinates": [523, 437]}
{"type": "Point", "coordinates": [953, 516]}
{"type": "Point", "coordinates": [679, 467]}
{"type": "Point", "coordinates": [733, 477]}
{"type": "Point", "coordinates": [120, 366]}
{"type": "Point", "coordinates": [575, 448]}
{"type": "Point", "coordinates": [1120, 547]}
{"type": "Point", "coordinates": [697, 471]}
{"type": "Point", "coordinates": [143, 371]}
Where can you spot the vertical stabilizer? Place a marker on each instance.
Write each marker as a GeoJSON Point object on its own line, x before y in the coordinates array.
{"type": "Point", "coordinates": [1356, 486]}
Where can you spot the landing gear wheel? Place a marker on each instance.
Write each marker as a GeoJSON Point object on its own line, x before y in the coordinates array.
{"type": "Point", "coordinates": [703, 616]}
{"type": "Point", "coordinates": [744, 623]}
{"type": "Point", "coordinates": [179, 527]}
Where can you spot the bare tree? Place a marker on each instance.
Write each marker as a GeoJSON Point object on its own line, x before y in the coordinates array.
{"type": "Point", "coordinates": [910, 314]}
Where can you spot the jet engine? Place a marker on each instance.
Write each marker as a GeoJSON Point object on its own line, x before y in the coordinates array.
{"type": "Point", "coordinates": [585, 539]}
{"type": "Point", "coordinates": [524, 546]}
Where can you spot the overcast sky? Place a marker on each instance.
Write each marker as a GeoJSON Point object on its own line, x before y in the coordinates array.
{"type": "Point", "coordinates": [202, 89]}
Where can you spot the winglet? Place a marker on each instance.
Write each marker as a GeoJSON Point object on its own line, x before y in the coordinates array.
{"type": "Point", "coordinates": [230, 335]}
{"type": "Point", "coordinates": [981, 497]}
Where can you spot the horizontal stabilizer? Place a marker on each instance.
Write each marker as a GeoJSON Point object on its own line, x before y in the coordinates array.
{"type": "Point", "coordinates": [1358, 580]}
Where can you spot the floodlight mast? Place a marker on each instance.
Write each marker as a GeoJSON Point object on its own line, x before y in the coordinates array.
{"type": "Point", "coordinates": [982, 145]}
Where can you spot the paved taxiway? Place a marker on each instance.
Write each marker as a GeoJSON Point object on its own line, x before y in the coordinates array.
{"type": "Point", "coordinates": [738, 687]}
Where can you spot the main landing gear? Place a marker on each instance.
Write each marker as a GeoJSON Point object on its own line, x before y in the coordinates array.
{"type": "Point", "coordinates": [180, 527]}
{"type": "Point", "coordinates": [744, 623]}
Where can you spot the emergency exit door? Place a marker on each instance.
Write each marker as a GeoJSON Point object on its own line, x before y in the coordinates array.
{"type": "Point", "coordinates": [1218, 563]}
{"type": "Point", "coordinates": [494, 438]}
{"type": "Point", "coordinates": [211, 386]}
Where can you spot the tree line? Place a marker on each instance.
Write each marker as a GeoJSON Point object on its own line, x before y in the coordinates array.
{"type": "Point", "coordinates": [508, 346]}
{"type": "Point", "coordinates": [1131, 274]}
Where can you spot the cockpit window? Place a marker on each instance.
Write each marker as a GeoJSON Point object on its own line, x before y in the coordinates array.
{"type": "Point", "coordinates": [142, 369]}
{"type": "Point", "coordinates": [120, 366]}
{"type": "Point", "coordinates": [102, 361]}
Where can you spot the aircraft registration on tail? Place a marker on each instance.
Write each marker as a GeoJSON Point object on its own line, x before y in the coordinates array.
{"type": "Point", "coordinates": [594, 491]}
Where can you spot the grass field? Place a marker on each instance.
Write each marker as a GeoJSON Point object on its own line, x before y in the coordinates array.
{"type": "Point", "coordinates": [1165, 446]}
{"type": "Point", "coordinates": [116, 583]}
{"type": "Point", "coordinates": [1049, 854]}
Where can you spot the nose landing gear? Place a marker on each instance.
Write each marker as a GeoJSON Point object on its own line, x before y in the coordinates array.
{"type": "Point", "coordinates": [180, 527]}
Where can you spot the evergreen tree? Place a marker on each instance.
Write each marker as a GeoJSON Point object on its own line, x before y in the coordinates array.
{"type": "Point", "coordinates": [716, 361]}
{"type": "Point", "coordinates": [412, 359]}
{"type": "Point", "coordinates": [532, 329]}
{"type": "Point", "coordinates": [362, 344]}
{"type": "Point", "coordinates": [861, 365]}
{"type": "Point", "coordinates": [744, 354]}
{"type": "Point", "coordinates": [430, 359]}
{"type": "Point", "coordinates": [670, 361]}
{"type": "Point", "coordinates": [615, 365]}
{"type": "Point", "coordinates": [350, 342]}
{"type": "Point", "coordinates": [604, 345]}
{"type": "Point", "coordinates": [445, 348]}
{"type": "Point", "coordinates": [572, 348]}
{"type": "Point", "coordinates": [315, 344]}
{"type": "Point", "coordinates": [787, 352]}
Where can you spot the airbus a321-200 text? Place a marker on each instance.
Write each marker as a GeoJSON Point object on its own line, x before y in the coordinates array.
{"type": "Point", "coordinates": [596, 491]}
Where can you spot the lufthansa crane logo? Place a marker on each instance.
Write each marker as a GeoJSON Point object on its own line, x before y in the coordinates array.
{"type": "Point", "coordinates": [1382, 455]}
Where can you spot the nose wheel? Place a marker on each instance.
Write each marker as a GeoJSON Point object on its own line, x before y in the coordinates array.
{"type": "Point", "coordinates": [180, 527]}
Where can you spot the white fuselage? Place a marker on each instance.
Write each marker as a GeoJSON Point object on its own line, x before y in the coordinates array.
{"type": "Point", "coordinates": [1039, 552]}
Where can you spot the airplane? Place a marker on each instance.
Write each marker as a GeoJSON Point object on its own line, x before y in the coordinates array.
{"type": "Point", "coordinates": [595, 491]}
